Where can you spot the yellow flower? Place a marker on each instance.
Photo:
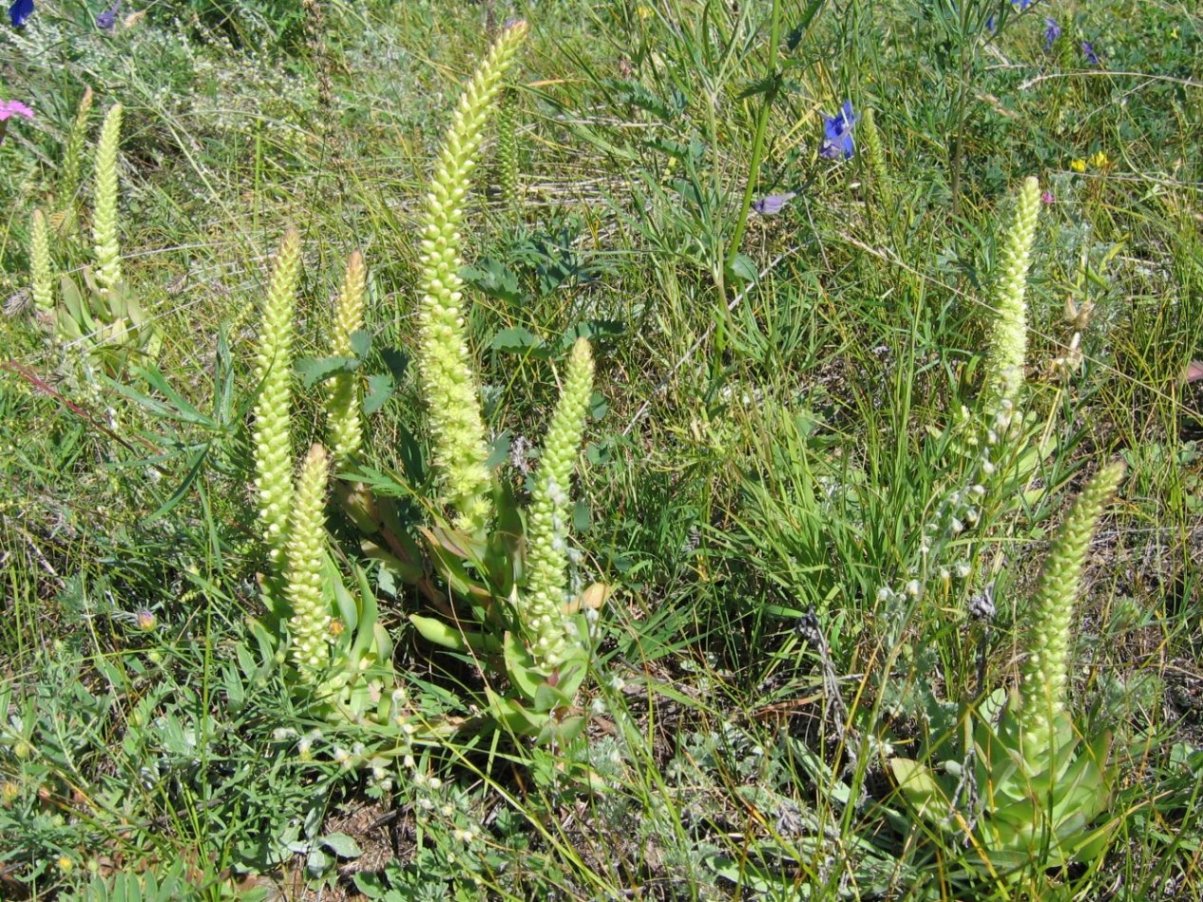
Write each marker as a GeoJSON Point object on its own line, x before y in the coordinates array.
{"type": "Point", "coordinates": [1099, 160]}
{"type": "Point", "coordinates": [1078, 165]}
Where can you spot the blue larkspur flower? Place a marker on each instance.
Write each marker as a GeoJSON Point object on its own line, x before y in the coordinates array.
{"type": "Point", "coordinates": [107, 20]}
{"type": "Point", "coordinates": [837, 134]}
{"type": "Point", "coordinates": [772, 204]}
{"type": "Point", "coordinates": [1092, 58]}
{"type": "Point", "coordinates": [1052, 31]}
{"type": "Point", "coordinates": [19, 11]}
{"type": "Point", "coordinates": [990, 23]}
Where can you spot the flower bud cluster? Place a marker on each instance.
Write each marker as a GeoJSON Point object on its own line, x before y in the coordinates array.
{"type": "Point", "coordinates": [104, 218]}
{"type": "Point", "coordinates": [342, 402]}
{"type": "Point", "coordinates": [273, 372]}
{"type": "Point", "coordinates": [548, 515]}
{"type": "Point", "coordinates": [1008, 339]}
{"type": "Point", "coordinates": [449, 383]}
{"type": "Point", "coordinates": [308, 626]}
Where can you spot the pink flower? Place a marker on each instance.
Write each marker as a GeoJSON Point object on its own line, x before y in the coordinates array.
{"type": "Point", "coordinates": [10, 108]}
{"type": "Point", "coordinates": [1047, 197]}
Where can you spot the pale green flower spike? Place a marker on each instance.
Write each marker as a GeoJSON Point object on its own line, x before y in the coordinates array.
{"type": "Point", "coordinates": [72, 157]}
{"type": "Point", "coordinates": [550, 510]}
{"type": "Point", "coordinates": [507, 147]}
{"type": "Point", "coordinates": [875, 156]}
{"type": "Point", "coordinates": [104, 219]}
{"type": "Point", "coordinates": [1042, 691]}
{"type": "Point", "coordinates": [39, 265]}
{"type": "Point", "coordinates": [342, 403]}
{"type": "Point", "coordinates": [448, 381]}
{"type": "Point", "coordinates": [309, 623]}
{"type": "Point", "coordinates": [273, 373]}
{"type": "Point", "coordinates": [1009, 338]}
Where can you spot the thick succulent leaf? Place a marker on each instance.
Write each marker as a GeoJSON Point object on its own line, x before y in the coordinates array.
{"type": "Point", "coordinates": [408, 572]}
{"type": "Point", "coordinates": [449, 561]}
{"type": "Point", "coordinates": [572, 672]}
{"type": "Point", "coordinates": [551, 698]}
{"type": "Point", "coordinates": [511, 715]}
{"type": "Point", "coordinates": [920, 788]}
{"type": "Point", "coordinates": [439, 632]}
{"type": "Point", "coordinates": [521, 668]}
{"type": "Point", "coordinates": [562, 731]}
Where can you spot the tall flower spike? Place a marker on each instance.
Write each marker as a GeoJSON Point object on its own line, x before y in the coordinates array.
{"type": "Point", "coordinates": [875, 156]}
{"type": "Point", "coordinates": [1009, 337]}
{"type": "Point", "coordinates": [448, 381]}
{"type": "Point", "coordinates": [550, 509]}
{"type": "Point", "coordinates": [309, 622]}
{"type": "Point", "coordinates": [1042, 692]}
{"type": "Point", "coordinates": [72, 156]}
{"type": "Point", "coordinates": [39, 265]}
{"type": "Point", "coordinates": [342, 403]}
{"type": "Point", "coordinates": [104, 219]}
{"type": "Point", "coordinates": [273, 372]}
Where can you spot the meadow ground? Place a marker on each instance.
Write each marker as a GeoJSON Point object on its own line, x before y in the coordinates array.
{"type": "Point", "coordinates": [820, 500]}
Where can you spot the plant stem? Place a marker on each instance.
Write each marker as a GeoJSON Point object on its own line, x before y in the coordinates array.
{"type": "Point", "coordinates": [762, 121]}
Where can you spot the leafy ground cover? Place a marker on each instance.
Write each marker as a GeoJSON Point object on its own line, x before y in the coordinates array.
{"type": "Point", "coordinates": [786, 230]}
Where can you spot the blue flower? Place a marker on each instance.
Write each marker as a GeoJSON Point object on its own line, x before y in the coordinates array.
{"type": "Point", "coordinates": [990, 23]}
{"type": "Point", "coordinates": [1092, 58]}
{"type": "Point", "coordinates": [837, 134]}
{"type": "Point", "coordinates": [19, 11]}
{"type": "Point", "coordinates": [1052, 31]}
{"type": "Point", "coordinates": [108, 19]}
{"type": "Point", "coordinates": [1022, 4]}
{"type": "Point", "coordinates": [772, 204]}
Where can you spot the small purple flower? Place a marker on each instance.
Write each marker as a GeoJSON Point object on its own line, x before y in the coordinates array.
{"type": "Point", "coordinates": [1047, 198]}
{"type": "Point", "coordinates": [1092, 58]}
{"type": "Point", "coordinates": [1052, 31]}
{"type": "Point", "coordinates": [1021, 5]}
{"type": "Point", "coordinates": [837, 134]}
{"type": "Point", "coordinates": [19, 11]}
{"type": "Point", "coordinates": [772, 204]}
{"type": "Point", "coordinates": [10, 108]}
{"type": "Point", "coordinates": [108, 19]}
{"type": "Point", "coordinates": [990, 23]}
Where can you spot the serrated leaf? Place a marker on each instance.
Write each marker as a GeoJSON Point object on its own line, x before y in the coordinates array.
{"type": "Point", "coordinates": [313, 370]}
{"type": "Point", "coordinates": [380, 389]}
{"type": "Point", "coordinates": [396, 360]}
{"type": "Point", "coordinates": [494, 278]}
{"type": "Point", "coordinates": [361, 342]}
{"type": "Point", "coordinates": [769, 86]}
{"type": "Point", "coordinates": [515, 340]}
